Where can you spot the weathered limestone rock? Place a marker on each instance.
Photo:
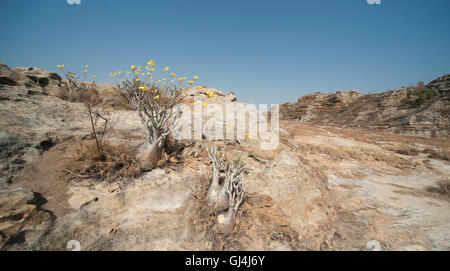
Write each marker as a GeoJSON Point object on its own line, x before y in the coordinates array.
{"type": "Point", "coordinates": [22, 222]}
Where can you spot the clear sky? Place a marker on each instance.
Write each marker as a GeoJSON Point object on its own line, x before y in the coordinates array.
{"type": "Point", "coordinates": [264, 51]}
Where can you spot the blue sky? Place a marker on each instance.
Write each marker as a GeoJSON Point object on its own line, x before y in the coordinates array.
{"type": "Point", "coordinates": [264, 51]}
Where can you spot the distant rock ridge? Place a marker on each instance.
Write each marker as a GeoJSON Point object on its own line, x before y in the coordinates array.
{"type": "Point", "coordinates": [441, 84]}
{"type": "Point", "coordinates": [415, 111]}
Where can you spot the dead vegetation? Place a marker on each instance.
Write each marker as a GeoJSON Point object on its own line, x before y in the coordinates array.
{"type": "Point", "coordinates": [440, 191]}
{"type": "Point", "coordinates": [442, 188]}
{"type": "Point", "coordinates": [438, 154]}
{"type": "Point", "coordinates": [108, 163]}
{"type": "Point", "coordinates": [407, 151]}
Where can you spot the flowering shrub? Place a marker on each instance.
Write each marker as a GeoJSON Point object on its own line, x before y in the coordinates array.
{"type": "Point", "coordinates": [153, 97]}
{"type": "Point", "coordinates": [78, 88]}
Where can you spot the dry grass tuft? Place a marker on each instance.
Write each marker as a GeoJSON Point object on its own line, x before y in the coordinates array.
{"type": "Point", "coordinates": [109, 164]}
{"type": "Point", "coordinates": [438, 154]}
{"type": "Point", "coordinates": [443, 188]}
{"type": "Point", "coordinates": [407, 151]}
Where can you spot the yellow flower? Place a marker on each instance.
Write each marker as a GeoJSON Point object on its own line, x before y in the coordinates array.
{"type": "Point", "coordinates": [143, 74]}
{"type": "Point", "coordinates": [191, 82]}
{"type": "Point", "coordinates": [94, 76]}
{"type": "Point", "coordinates": [137, 79]}
{"type": "Point", "coordinates": [148, 73]}
{"type": "Point", "coordinates": [87, 66]}
{"type": "Point", "coordinates": [120, 72]}
{"type": "Point", "coordinates": [106, 84]}
{"type": "Point", "coordinates": [173, 75]}
{"type": "Point", "coordinates": [205, 104]}
{"type": "Point", "coordinates": [211, 95]}
{"type": "Point", "coordinates": [196, 77]}
{"type": "Point", "coordinates": [155, 90]}
{"type": "Point", "coordinates": [111, 74]}
{"type": "Point", "coordinates": [248, 135]}
{"type": "Point", "coordinates": [166, 69]}
{"type": "Point", "coordinates": [144, 88]}
{"type": "Point", "coordinates": [151, 62]}
{"type": "Point", "coordinates": [133, 67]}
{"type": "Point", "coordinates": [181, 79]}
{"type": "Point", "coordinates": [157, 97]}
{"type": "Point", "coordinates": [140, 67]}
{"type": "Point", "coordinates": [86, 71]}
{"type": "Point", "coordinates": [60, 66]}
{"type": "Point", "coordinates": [152, 70]}
{"type": "Point", "coordinates": [70, 74]}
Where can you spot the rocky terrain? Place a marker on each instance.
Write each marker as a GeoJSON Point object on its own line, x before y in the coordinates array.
{"type": "Point", "coordinates": [322, 188]}
{"type": "Point", "coordinates": [416, 111]}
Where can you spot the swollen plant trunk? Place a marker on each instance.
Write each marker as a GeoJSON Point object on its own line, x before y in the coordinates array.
{"type": "Point", "coordinates": [149, 154]}
{"type": "Point", "coordinates": [216, 198]}
{"type": "Point", "coordinates": [227, 221]}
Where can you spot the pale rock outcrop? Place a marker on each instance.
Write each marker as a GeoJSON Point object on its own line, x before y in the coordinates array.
{"type": "Point", "coordinates": [398, 111]}
{"type": "Point", "coordinates": [22, 222]}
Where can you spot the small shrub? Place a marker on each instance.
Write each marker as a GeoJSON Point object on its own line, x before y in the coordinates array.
{"type": "Point", "coordinates": [424, 94]}
{"type": "Point", "coordinates": [78, 89]}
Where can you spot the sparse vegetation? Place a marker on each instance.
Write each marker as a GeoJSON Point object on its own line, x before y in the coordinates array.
{"type": "Point", "coordinates": [404, 150]}
{"type": "Point", "coordinates": [423, 94]}
{"type": "Point", "coordinates": [442, 188]}
{"type": "Point", "coordinates": [438, 154]}
{"type": "Point", "coordinates": [110, 164]}
{"type": "Point", "coordinates": [78, 89]}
